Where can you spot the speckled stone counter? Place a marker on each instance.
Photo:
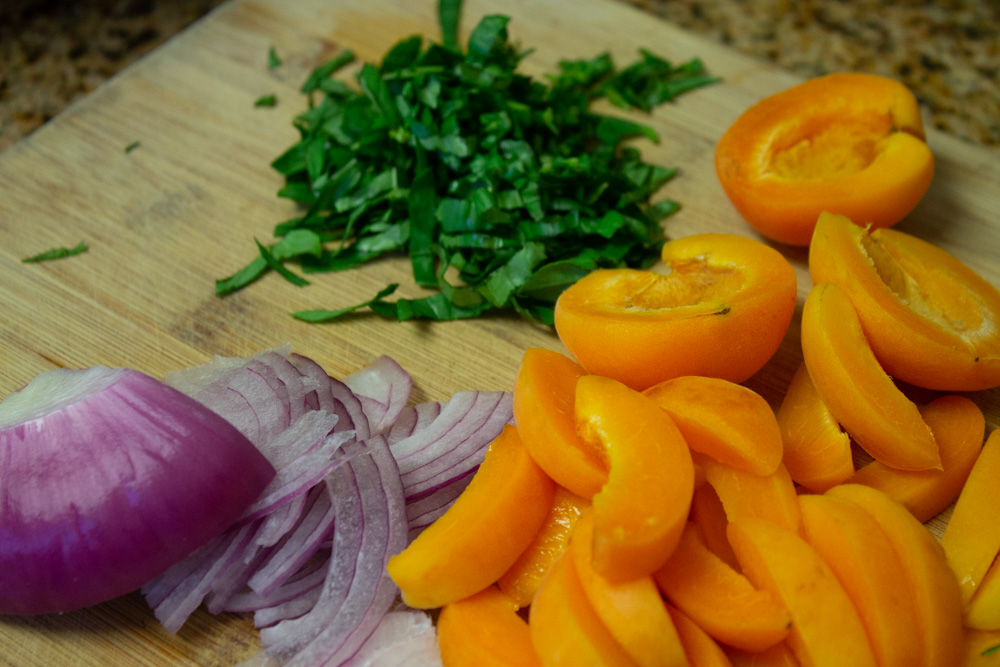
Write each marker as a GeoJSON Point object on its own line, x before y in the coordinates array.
{"type": "Point", "coordinates": [54, 51]}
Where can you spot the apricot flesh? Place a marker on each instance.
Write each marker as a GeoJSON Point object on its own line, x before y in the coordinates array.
{"type": "Point", "coordinates": [482, 533]}
{"type": "Point", "coordinates": [931, 321]}
{"type": "Point", "coordinates": [485, 630]}
{"type": "Point", "coordinates": [860, 395]}
{"type": "Point", "coordinates": [641, 510]}
{"type": "Point", "coordinates": [720, 308]}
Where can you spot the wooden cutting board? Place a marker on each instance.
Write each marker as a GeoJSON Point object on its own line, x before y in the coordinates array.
{"type": "Point", "coordinates": [166, 219]}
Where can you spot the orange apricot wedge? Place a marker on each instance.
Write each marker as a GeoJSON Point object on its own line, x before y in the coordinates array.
{"type": "Point", "coordinates": [982, 648]}
{"type": "Point", "coordinates": [543, 412]}
{"type": "Point", "coordinates": [937, 599]}
{"type": "Point", "coordinates": [482, 534]}
{"type": "Point", "coordinates": [743, 494]}
{"type": "Point", "coordinates": [959, 427]}
{"type": "Point", "coordinates": [633, 611]}
{"type": "Point", "coordinates": [983, 610]}
{"type": "Point", "coordinates": [971, 540]}
{"type": "Point", "coordinates": [720, 600]}
{"type": "Point", "coordinates": [709, 514]}
{"type": "Point", "coordinates": [861, 556]}
{"type": "Point", "coordinates": [565, 629]}
{"type": "Point", "coordinates": [700, 648]}
{"type": "Point", "coordinates": [484, 629]}
{"type": "Point", "coordinates": [848, 142]}
{"type": "Point", "coordinates": [640, 512]}
{"type": "Point", "coordinates": [862, 398]}
{"type": "Point", "coordinates": [817, 452]}
{"type": "Point", "coordinates": [826, 628]}
{"type": "Point", "coordinates": [720, 308]}
{"type": "Point", "coordinates": [722, 419]}
{"type": "Point", "coordinates": [521, 581]}
{"type": "Point", "coordinates": [780, 655]}
{"type": "Point", "coordinates": [931, 320]}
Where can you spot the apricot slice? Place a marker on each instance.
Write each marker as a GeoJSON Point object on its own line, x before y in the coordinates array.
{"type": "Point", "coordinates": [930, 320]}
{"type": "Point", "coordinates": [826, 628]}
{"type": "Point", "coordinates": [959, 427]}
{"type": "Point", "coordinates": [724, 420]}
{"type": "Point", "coordinates": [982, 648]}
{"type": "Point", "coordinates": [930, 580]}
{"type": "Point", "coordinates": [641, 510]}
{"type": "Point", "coordinates": [744, 494]}
{"type": "Point", "coordinates": [861, 556]}
{"type": "Point", "coordinates": [721, 310]}
{"type": "Point", "coordinates": [983, 610]}
{"type": "Point", "coordinates": [481, 535]}
{"type": "Point", "coordinates": [971, 540]}
{"type": "Point", "coordinates": [632, 611]}
{"type": "Point", "coordinates": [701, 649]}
{"type": "Point", "coordinates": [779, 655]}
{"type": "Point", "coordinates": [565, 629]}
{"type": "Point", "coordinates": [720, 600]}
{"type": "Point", "coordinates": [486, 630]}
{"type": "Point", "coordinates": [863, 399]}
{"type": "Point", "coordinates": [521, 581]}
{"type": "Point", "coordinates": [817, 452]}
{"type": "Point", "coordinates": [709, 514]}
{"type": "Point", "coordinates": [849, 143]}
{"type": "Point", "coordinates": [544, 393]}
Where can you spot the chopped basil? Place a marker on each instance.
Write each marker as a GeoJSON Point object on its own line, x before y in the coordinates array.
{"type": "Point", "coordinates": [513, 185]}
{"type": "Point", "coordinates": [266, 101]}
{"type": "Point", "coordinates": [991, 650]}
{"type": "Point", "coordinates": [131, 147]}
{"type": "Point", "coordinates": [56, 253]}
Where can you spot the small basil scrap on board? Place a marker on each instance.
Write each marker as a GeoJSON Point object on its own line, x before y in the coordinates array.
{"type": "Point", "coordinates": [56, 253]}
{"type": "Point", "coordinates": [502, 190]}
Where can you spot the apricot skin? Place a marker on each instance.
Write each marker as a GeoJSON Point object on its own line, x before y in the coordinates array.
{"type": "Point", "coordinates": [931, 321]}
{"type": "Point", "coordinates": [721, 311]}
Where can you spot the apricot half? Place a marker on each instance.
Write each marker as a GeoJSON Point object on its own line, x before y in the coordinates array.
{"type": "Point", "coordinates": [931, 321]}
{"type": "Point", "coordinates": [860, 395]}
{"type": "Point", "coordinates": [848, 143]}
{"type": "Point", "coordinates": [721, 310]}
{"type": "Point", "coordinates": [485, 630]}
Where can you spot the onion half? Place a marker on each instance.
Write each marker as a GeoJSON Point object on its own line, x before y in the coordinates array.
{"type": "Point", "coordinates": [107, 478]}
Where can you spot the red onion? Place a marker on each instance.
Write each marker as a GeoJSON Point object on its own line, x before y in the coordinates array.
{"type": "Point", "coordinates": [107, 478]}
{"type": "Point", "coordinates": [358, 473]}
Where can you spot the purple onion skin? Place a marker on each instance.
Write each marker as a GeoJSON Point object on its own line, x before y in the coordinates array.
{"type": "Point", "coordinates": [103, 495]}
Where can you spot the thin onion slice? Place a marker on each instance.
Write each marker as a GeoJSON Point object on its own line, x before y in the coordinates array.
{"type": "Point", "coordinates": [383, 388]}
{"type": "Point", "coordinates": [107, 478]}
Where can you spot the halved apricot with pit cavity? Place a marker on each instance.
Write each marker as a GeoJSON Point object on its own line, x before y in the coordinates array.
{"type": "Point", "coordinates": [848, 143]}
{"type": "Point", "coordinates": [930, 320]}
{"type": "Point", "coordinates": [721, 310]}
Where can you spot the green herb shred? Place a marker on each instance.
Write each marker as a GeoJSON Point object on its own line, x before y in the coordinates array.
{"type": "Point", "coordinates": [266, 101]}
{"type": "Point", "coordinates": [56, 253]}
{"type": "Point", "coordinates": [132, 146]}
{"type": "Point", "coordinates": [273, 61]}
{"type": "Point", "coordinates": [503, 190]}
{"type": "Point", "coordinates": [990, 651]}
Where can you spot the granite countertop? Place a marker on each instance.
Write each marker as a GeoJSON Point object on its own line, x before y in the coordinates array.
{"type": "Point", "coordinates": [53, 52]}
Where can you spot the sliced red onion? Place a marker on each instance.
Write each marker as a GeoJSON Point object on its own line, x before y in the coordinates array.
{"type": "Point", "coordinates": [402, 639]}
{"type": "Point", "coordinates": [384, 389]}
{"type": "Point", "coordinates": [107, 478]}
{"type": "Point", "coordinates": [413, 418]}
{"type": "Point", "coordinates": [370, 527]}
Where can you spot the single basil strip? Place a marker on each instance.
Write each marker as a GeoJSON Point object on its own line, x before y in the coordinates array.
{"type": "Point", "coordinates": [317, 316]}
{"type": "Point", "coordinates": [422, 206]}
{"type": "Point", "coordinates": [56, 253]}
{"type": "Point", "coordinates": [241, 278]}
{"type": "Point", "coordinates": [275, 264]}
{"type": "Point", "coordinates": [273, 61]}
{"type": "Point", "coordinates": [131, 147]}
{"type": "Point", "coordinates": [449, 16]}
{"type": "Point", "coordinates": [266, 101]}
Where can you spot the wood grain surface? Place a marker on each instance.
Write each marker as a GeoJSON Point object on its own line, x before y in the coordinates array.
{"type": "Point", "coordinates": [166, 219]}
